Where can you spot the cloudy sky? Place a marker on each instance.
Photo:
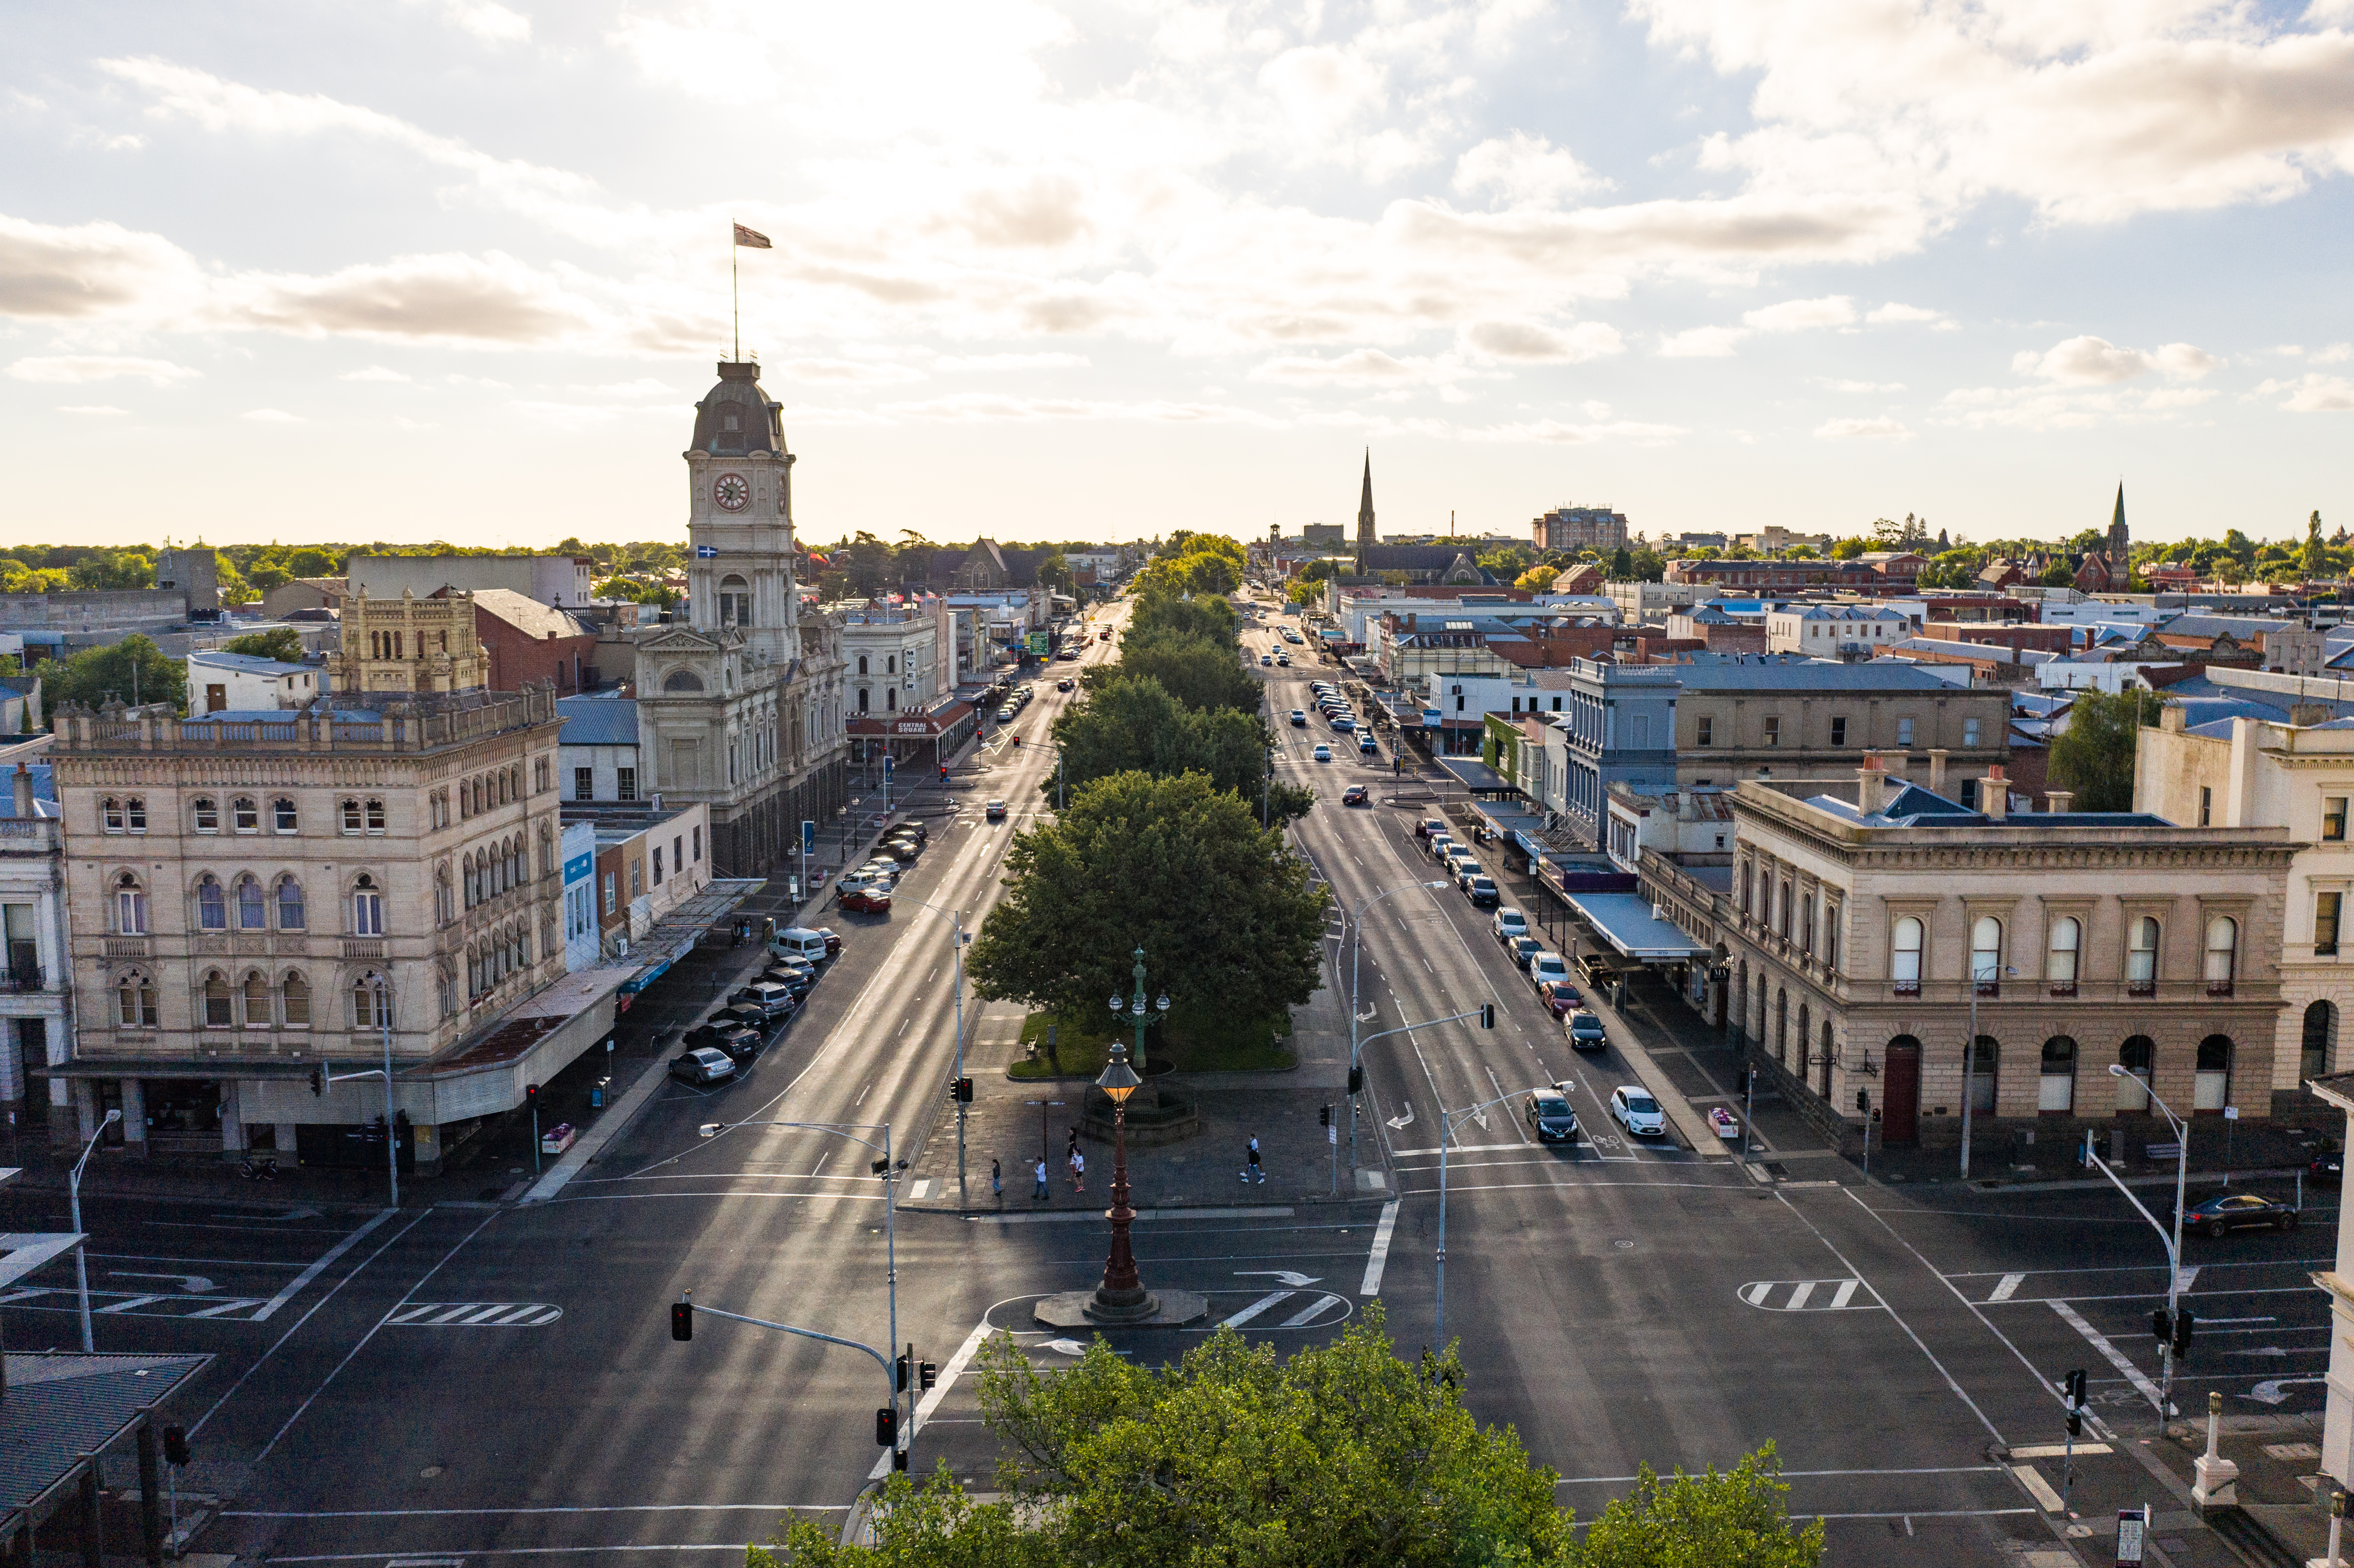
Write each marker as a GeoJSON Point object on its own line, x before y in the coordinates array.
{"type": "Point", "coordinates": [459, 268]}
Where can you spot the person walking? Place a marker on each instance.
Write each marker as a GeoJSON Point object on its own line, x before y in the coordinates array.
{"type": "Point", "coordinates": [1078, 1170]}
{"type": "Point", "coordinates": [996, 1180]}
{"type": "Point", "coordinates": [1071, 1146]}
{"type": "Point", "coordinates": [1252, 1173]}
{"type": "Point", "coordinates": [1041, 1173]}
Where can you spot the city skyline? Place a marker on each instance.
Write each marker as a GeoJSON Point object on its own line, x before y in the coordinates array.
{"type": "Point", "coordinates": [458, 269]}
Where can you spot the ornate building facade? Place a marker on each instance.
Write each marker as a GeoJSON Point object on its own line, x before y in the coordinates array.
{"type": "Point", "coordinates": [741, 707]}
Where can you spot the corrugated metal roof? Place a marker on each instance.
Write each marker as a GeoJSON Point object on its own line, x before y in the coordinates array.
{"type": "Point", "coordinates": [61, 1408]}
{"type": "Point", "coordinates": [597, 721]}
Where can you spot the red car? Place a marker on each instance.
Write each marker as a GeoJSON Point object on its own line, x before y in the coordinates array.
{"type": "Point", "coordinates": [1559, 998]}
{"type": "Point", "coordinates": [1354, 795]}
{"type": "Point", "coordinates": [833, 940]}
{"type": "Point", "coordinates": [1430, 825]}
{"type": "Point", "coordinates": [867, 901]}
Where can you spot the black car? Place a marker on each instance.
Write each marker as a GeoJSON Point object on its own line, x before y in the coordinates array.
{"type": "Point", "coordinates": [2328, 1168]}
{"type": "Point", "coordinates": [796, 981]}
{"type": "Point", "coordinates": [922, 833]}
{"type": "Point", "coordinates": [1551, 1119]}
{"type": "Point", "coordinates": [907, 851]}
{"type": "Point", "coordinates": [740, 1018]}
{"type": "Point", "coordinates": [741, 1044]}
{"type": "Point", "coordinates": [2240, 1211]}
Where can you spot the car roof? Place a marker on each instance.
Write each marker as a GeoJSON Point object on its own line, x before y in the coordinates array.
{"type": "Point", "coordinates": [702, 1051]}
{"type": "Point", "coordinates": [1542, 1094]}
{"type": "Point", "coordinates": [1633, 1089]}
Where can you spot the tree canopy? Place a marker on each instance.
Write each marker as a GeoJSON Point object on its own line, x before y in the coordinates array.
{"type": "Point", "coordinates": [1174, 865]}
{"type": "Point", "coordinates": [92, 674]}
{"type": "Point", "coordinates": [2094, 757]}
{"type": "Point", "coordinates": [283, 643]}
{"type": "Point", "coordinates": [1196, 671]}
{"type": "Point", "coordinates": [1132, 724]}
{"type": "Point", "coordinates": [1213, 618]}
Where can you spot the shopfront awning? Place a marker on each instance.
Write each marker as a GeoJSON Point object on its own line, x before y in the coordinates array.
{"type": "Point", "coordinates": [1625, 921]}
{"type": "Point", "coordinates": [675, 935]}
{"type": "Point", "coordinates": [1478, 776]}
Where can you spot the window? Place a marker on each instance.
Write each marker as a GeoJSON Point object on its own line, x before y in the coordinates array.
{"type": "Point", "coordinates": [2060, 956]}
{"type": "Point", "coordinates": [246, 815]}
{"type": "Point", "coordinates": [295, 994]}
{"type": "Point", "coordinates": [2333, 817]}
{"type": "Point", "coordinates": [289, 904]}
{"type": "Point", "coordinates": [1747, 876]}
{"type": "Point", "coordinates": [862, 663]}
{"type": "Point", "coordinates": [370, 1007]}
{"type": "Point", "coordinates": [367, 908]}
{"type": "Point", "coordinates": [698, 846]}
{"type": "Point", "coordinates": [134, 815]}
{"type": "Point", "coordinates": [1969, 732]}
{"type": "Point", "coordinates": [212, 906]}
{"type": "Point", "coordinates": [637, 877]}
{"type": "Point", "coordinates": [443, 902]}
{"type": "Point", "coordinates": [539, 777]}
{"type": "Point", "coordinates": [2320, 1034]}
{"type": "Point", "coordinates": [625, 783]}
{"type": "Point", "coordinates": [1904, 732]}
{"type": "Point", "coordinates": [609, 892]}
{"type": "Point", "coordinates": [1807, 924]}
{"type": "Point", "coordinates": [2206, 806]}
{"type": "Point", "coordinates": [1783, 924]}
{"type": "Point", "coordinates": [130, 907]}
{"type": "Point", "coordinates": [2210, 1079]}
{"type": "Point", "coordinates": [677, 861]}
{"type": "Point", "coordinates": [2141, 958]}
{"type": "Point", "coordinates": [217, 1006]}
{"type": "Point", "coordinates": [1839, 731]}
{"type": "Point", "coordinates": [657, 867]}
{"type": "Point", "coordinates": [1986, 955]}
{"type": "Point", "coordinates": [351, 816]}
{"type": "Point", "coordinates": [2223, 953]}
{"type": "Point", "coordinates": [2326, 908]}
{"type": "Point", "coordinates": [2136, 1056]}
{"type": "Point", "coordinates": [207, 814]}
{"type": "Point", "coordinates": [376, 819]}
{"type": "Point", "coordinates": [281, 810]}
{"type": "Point", "coordinates": [111, 815]}
{"type": "Point", "coordinates": [252, 908]}
{"type": "Point", "coordinates": [2055, 1090]}
{"type": "Point", "coordinates": [1774, 729]}
{"type": "Point", "coordinates": [135, 997]}
{"type": "Point", "coordinates": [1830, 935]}
{"type": "Point", "coordinates": [1983, 1069]}
{"type": "Point", "coordinates": [1904, 956]}
{"type": "Point", "coordinates": [257, 999]}
{"type": "Point", "coordinates": [584, 783]}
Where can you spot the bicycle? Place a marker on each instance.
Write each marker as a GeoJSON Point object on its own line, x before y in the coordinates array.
{"type": "Point", "coordinates": [263, 1170]}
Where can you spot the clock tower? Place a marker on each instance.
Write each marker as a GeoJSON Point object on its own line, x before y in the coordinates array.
{"type": "Point", "coordinates": [740, 519]}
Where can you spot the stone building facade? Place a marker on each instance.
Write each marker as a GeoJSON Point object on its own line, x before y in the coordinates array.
{"type": "Point", "coordinates": [741, 707]}
{"type": "Point", "coordinates": [408, 644]}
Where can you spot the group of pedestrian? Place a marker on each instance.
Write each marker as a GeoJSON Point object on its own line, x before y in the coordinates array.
{"type": "Point", "coordinates": [1076, 1162]}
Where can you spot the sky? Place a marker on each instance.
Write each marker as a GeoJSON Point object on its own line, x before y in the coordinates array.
{"type": "Point", "coordinates": [460, 269]}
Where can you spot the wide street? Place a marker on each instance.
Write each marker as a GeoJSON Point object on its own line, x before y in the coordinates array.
{"type": "Point", "coordinates": [488, 1382]}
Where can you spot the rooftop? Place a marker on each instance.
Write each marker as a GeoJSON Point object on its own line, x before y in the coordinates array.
{"type": "Point", "coordinates": [597, 721]}
{"type": "Point", "coordinates": [248, 664]}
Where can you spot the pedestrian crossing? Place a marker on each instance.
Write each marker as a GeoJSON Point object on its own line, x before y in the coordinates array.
{"type": "Point", "coordinates": [128, 1304]}
{"type": "Point", "coordinates": [1810, 1296]}
{"type": "Point", "coordinates": [473, 1315]}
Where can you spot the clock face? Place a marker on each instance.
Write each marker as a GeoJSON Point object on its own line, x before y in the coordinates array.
{"type": "Point", "coordinates": [732, 492]}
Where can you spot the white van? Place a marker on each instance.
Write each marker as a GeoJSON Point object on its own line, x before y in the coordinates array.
{"type": "Point", "coordinates": [799, 942]}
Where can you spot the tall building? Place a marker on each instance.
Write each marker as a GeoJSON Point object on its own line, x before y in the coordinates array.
{"type": "Point", "coordinates": [741, 707]}
{"type": "Point", "coordinates": [1579, 528]}
{"type": "Point", "coordinates": [1365, 517]}
{"type": "Point", "coordinates": [2120, 542]}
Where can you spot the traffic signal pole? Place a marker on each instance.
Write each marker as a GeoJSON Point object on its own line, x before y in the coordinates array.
{"type": "Point", "coordinates": [2172, 1242]}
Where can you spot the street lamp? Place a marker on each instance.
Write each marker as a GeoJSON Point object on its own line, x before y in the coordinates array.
{"type": "Point", "coordinates": [956, 921]}
{"type": "Point", "coordinates": [1121, 1297]}
{"type": "Point", "coordinates": [2173, 1243]}
{"type": "Point", "coordinates": [73, 1193]}
{"type": "Point", "coordinates": [1134, 1007]}
{"type": "Point", "coordinates": [1356, 953]}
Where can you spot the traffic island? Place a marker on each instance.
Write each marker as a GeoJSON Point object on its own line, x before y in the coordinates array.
{"type": "Point", "coordinates": [1085, 1309]}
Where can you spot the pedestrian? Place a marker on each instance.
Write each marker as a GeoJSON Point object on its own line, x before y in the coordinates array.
{"type": "Point", "coordinates": [1254, 1173]}
{"type": "Point", "coordinates": [1041, 1173]}
{"type": "Point", "coordinates": [996, 1180]}
{"type": "Point", "coordinates": [1078, 1172]}
{"type": "Point", "coordinates": [1071, 1147]}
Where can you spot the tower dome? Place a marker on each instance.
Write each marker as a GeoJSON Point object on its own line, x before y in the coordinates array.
{"type": "Point", "coordinates": [735, 418]}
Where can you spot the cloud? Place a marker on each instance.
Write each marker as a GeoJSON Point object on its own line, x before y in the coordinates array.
{"type": "Point", "coordinates": [1702, 342]}
{"type": "Point", "coordinates": [2333, 354]}
{"type": "Point", "coordinates": [373, 373]}
{"type": "Point", "coordinates": [950, 364]}
{"type": "Point", "coordinates": [95, 409]}
{"type": "Point", "coordinates": [847, 371]}
{"type": "Point", "coordinates": [1363, 368]}
{"type": "Point", "coordinates": [1801, 315]}
{"type": "Point", "coordinates": [643, 389]}
{"type": "Point", "coordinates": [491, 299]}
{"type": "Point", "coordinates": [2314, 394]}
{"type": "Point", "coordinates": [1883, 429]}
{"type": "Point", "coordinates": [1529, 343]}
{"type": "Point", "coordinates": [1834, 384]}
{"type": "Point", "coordinates": [271, 416]}
{"type": "Point", "coordinates": [100, 368]}
{"type": "Point", "coordinates": [1524, 171]}
{"type": "Point", "coordinates": [486, 19]}
{"type": "Point", "coordinates": [1894, 314]}
{"type": "Point", "coordinates": [1556, 432]}
{"type": "Point", "coordinates": [2097, 361]}
{"type": "Point", "coordinates": [88, 270]}
{"type": "Point", "coordinates": [977, 406]}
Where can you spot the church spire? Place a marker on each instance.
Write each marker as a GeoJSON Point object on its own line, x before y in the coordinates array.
{"type": "Point", "coordinates": [1365, 516]}
{"type": "Point", "coordinates": [2120, 542]}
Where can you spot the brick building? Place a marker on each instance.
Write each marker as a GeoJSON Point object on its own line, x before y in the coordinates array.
{"type": "Point", "coordinates": [531, 643]}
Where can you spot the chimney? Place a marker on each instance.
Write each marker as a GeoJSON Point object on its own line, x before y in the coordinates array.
{"type": "Point", "coordinates": [2059, 799]}
{"type": "Point", "coordinates": [2301, 714]}
{"type": "Point", "coordinates": [2174, 718]}
{"type": "Point", "coordinates": [1994, 794]}
{"type": "Point", "coordinates": [24, 790]}
{"type": "Point", "coordinates": [1936, 770]}
{"type": "Point", "coordinates": [1872, 785]}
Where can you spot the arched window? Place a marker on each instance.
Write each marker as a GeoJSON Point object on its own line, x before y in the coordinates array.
{"type": "Point", "coordinates": [1982, 1075]}
{"type": "Point", "coordinates": [351, 809]}
{"type": "Point", "coordinates": [890, 664]}
{"type": "Point", "coordinates": [205, 812]}
{"type": "Point", "coordinates": [367, 907]}
{"type": "Point", "coordinates": [862, 699]}
{"type": "Point", "coordinates": [2138, 1057]}
{"type": "Point", "coordinates": [862, 663]}
{"type": "Point", "coordinates": [1986, 955]}
{"type": "Point", "coordinates": [891, 699]}
{"type": "Point", "coordinates": [2141, 958]}
{"type": "Point", "coordinates": [1807, 924]}
{"type": "Point", "coordinates": [212, 905]}
{"type": "Point", "coordinates": [134, 999]}
{"type": "Point", "coordinates": [1825, 1060]}
{"type": "Point", "coordinates": [2055, 1089]}
{"type": "Point", "coordinates": [1904, 956]}
{"type": "Point", "coordinates": [294, 994]}
{"type": "Point", "coordinates": [446, 986]}
{"type": "Point", "coordinates": [257, 999]}
{"type": "Point", "coordinates": [110, 815]}
{"type": "Point", "coordinates": [130, 907]}
{"type": "Point", "coordinates": [2060, 959]}
{"type": "Point", "coordinates": [546, 851]}
{"type": "Point", "coordinates": [682, 681]}
{"type": "Point", "coordinates": [246, 815]}
{"type": "Point", "coordinates": [281, 812]}
{"type": "Point", "coordinates": [217, 1004]}
{"type": "Point", "coordinates": [375, 818]}
{"type": "Point", "coordinates": [1782, 921]}
{"type": "Point", "coordinates": [289, 904]}
{"type": "Point", "coordinates": [2320, 1033]}
{"type": "Point", "coordinates": [442, 912]}
{"type": "Point", "coordinates": [252, 908]}
{"type": "Point", "coordinates": [2222, 954]}
{"type": "Point", "coordinates": [1747, 876]}
{"type": "Point", "coordinates": [2211, 1082]}
{"type": "Point", "coordinates": [371, 1008]}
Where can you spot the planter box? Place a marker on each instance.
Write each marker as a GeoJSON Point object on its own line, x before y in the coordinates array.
{"type": "Point", "coordinates": [557, 1140]}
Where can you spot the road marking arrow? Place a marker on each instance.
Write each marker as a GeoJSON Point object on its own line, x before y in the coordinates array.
{"type": "Point", "coordinates": [1287, 1276]}
{"type": "Point", "coordinates": [2270, 1393]}
{"type": "Point", "coordinates": [193, 1284]}
{"type": "Point", "coordinates": [1405, 1120]}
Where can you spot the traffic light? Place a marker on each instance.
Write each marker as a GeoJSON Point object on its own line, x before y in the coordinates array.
{"type": "Point", "coordinates": [1323, 1115]}
{"type": "Point", "coordinates": [927, 1375]}
{"type": "Point", "coordinates": [886, 1426]}
{"type": "Point", "coordinates": [318, 1078]}
{"type": "Point", "coordinates": [898, 1458]}
{"type": "Point", "coordinates": [1356, 1080]}
{"type": "Point", "coordinates": [1487, 1015]}
{"type": "Point", "coordinates": [1864, 1101]}
{"type": "Point", "coordinates": [963, 1090]}
{"type": "Point", "coordinates": [2076, 1387]}
{"type": "Point", "coordinates": [682, 1320]}
{"type": "Point", "coordinates": [2161, 1326]}
{"type": "Point", "coordinates": [2075, 1421]}
{"type": "Point", "coordinates": [175, 1445]}
{"type": "Point", "coordinates": [531, 1095]}
{"type": "Point", "coordinates": [2183, 1323]}
{"type": "Point", "coordinates": [899, 1370]}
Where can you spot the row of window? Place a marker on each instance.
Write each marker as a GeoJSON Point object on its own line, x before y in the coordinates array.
{"type": "Point", "coordinates": [1770, 731]}
{"type": "Point", "coordinates": [358, 815]}
{"type": "Point", "coordinates": [625, 783]}
{"type": "Point", "coordinates": [2063, 944]}
{"type": "Point", "coordinates": [490, 961]}
{"type": "Point", "coordinates": [255, 1002]}
{"type": "Point", "coordinates": [253, 906]}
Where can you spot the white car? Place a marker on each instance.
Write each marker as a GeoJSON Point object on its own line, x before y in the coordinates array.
{"type": "Point", "coordinates": [1638, 1112]}
{"type": "Point", "coordinates": [1547, 966]}
{"type": "Point", "coordinates": [1323, 754]}
{"type": "Point", "coordinates": [1508, 924]}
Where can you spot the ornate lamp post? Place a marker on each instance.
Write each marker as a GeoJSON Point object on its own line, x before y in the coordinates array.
{"type": "Point", "coordinates": [1122, 1006]}
{"type": "Point", "coordinates": [1121, 1298]}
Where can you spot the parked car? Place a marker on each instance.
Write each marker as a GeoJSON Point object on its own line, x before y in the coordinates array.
{"type": "Point", "coordinates": [995, 811]}
{"type": "Point", "coordinates": [1559, 998]}
{"type": "Point", "coordinates": [1508, 924]}
{"type": "Point", "coordinates": [1266, 659]}
{"type": "Point", "coordinates": [739, 1043]}
{"type": "Point", "coordinates": [2239, 1212]}
{"type": "Point", "coordinates": [773, 1002]}
{"type": "Point", "coordinates": [1368, 746]}
{"type": "Point", "coordinates": [1344, 723]}
{"type": "Point", "coordinates": [704, 1065]}
{"type": "Point", "coordinates": [1638, 1112]}
{"type": "Point", "coordinates": [868, 901]}
{"type": "Point", "coordinates": [923, 834]}
{"type": "Point", "coordinates": [1483, 892]}
{"type": "Point", "coordinates": [1430, 825]}
{"type": "Point", "coordinates": [1440, 842]}
{"type": "Point", "coordinates": [2328, 1169]}
{"type": "Point", "coordinates": [801, 942]}
{"type": "Point", "coordinates": [1065, 683]}
{"type": "Point", "coordinates": [1584, 1030]}
{"type": "Point", "coordinates": [833, 938]}
{"type": "Point", "coordinates": [740, 1017]}
{"type": "Point", "coordinates": [1551, 1119]}
{"type": "Point", "coordinates": [1299, 718]}
{"type": "Point", "coordinates": [1354, 795]}
{"type": "Point", "coordinates": [1547, 966]}
{"type": "Point", "coordinates": [1522, 948]}
{"type": "Point", "coordinates": [796, 981]}
{"type": "Point", "coordinates": [907, 851]}
{"type": "Point", "coordinates": [1323, 754]}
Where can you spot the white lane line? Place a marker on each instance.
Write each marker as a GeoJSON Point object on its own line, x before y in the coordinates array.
{"type": "Point", "coordinates": [2109, 1352]}
{"type": "Point", "coordinates": [1273, 1298]}
{"type": "Point", "coordinates": [2190, 1277]}
{"type": "Point", "coordinates": [126, 1305]}
{"type": "Point", "coordinates": [2009, 1283]}
{"type": "Point", "coordinates": [1798, 1295]}
{"type": "Point", "coordinates": [2039, 1489]}
{"type": "Point", "coordinates": [2055, 1450]}
{"type": "Point", "coordinates": [1378, 1259]}
{"type": "Point", "coordinates": [1306, 1313]}
{"type": "Point", "coordinates": [931, 1402]}
{"type": "Point", "coordinates": [295, 1286]}
{"type": "Point", "coordinates": [229, 1307]}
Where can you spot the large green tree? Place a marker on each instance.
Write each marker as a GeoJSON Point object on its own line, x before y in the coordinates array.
{"type": "Point", "coordinates": [1177, 866]}
{"type": "Point", "coordinates": [283, 643]}
{"type": "Point", "coordinates": [2094, 757]}
{"type": "Point", "coordinates": [1215, 618]}
{"type": "Point", "coordinates": [91, 675]}
{"type": "Point", "coordinates": [1197, 672]}
{"type": "Point", "coordinates": [1132, 724]}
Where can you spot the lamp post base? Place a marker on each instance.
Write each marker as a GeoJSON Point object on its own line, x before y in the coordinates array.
{"type": "Point", "coordinates": [1099, 1309]}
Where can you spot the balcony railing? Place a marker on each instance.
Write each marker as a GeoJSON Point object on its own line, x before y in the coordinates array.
{"type": "Point", "coordinates": [1907, 987]}
{"type": "Point", "coordinates": [2063, 988]}
{"type": "Point", "coordinates": [364, 947]}
{"type": "Point", "coordinates": [21, 976]}
{"type": "Point", "coordinates": [124, 947]}
{"type": "Point", "coordinates": [2219, 987]}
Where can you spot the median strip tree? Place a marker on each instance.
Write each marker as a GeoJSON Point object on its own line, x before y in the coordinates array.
{"type": "Point", "coordinates": [1133, 724]}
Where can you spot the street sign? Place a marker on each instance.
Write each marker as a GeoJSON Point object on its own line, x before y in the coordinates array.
{"type": "Point", "coordinates": [809, 836]}
{"type": "Point", "coordinates": [2133, 1523]}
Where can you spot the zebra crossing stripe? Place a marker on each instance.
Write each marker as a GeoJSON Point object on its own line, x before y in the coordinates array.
{"type": "Point", "coordinates": [226, 1307]}
{"type": "Point", "coordinates": [474, 1315]}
